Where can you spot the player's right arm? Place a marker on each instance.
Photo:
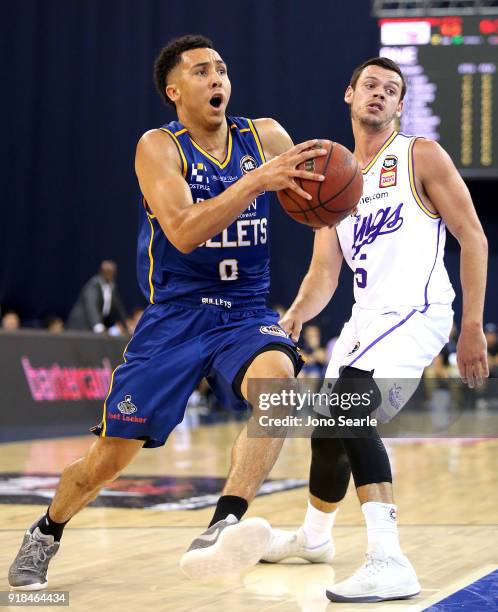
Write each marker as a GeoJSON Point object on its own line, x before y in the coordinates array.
{"type": "Point", "coordinates": [186, 225]}
{"type": "Point", "coordinates": [318, 285]}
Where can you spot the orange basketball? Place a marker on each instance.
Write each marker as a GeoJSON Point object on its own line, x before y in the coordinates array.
{"type": "Point", "coordinates": [332, 199]}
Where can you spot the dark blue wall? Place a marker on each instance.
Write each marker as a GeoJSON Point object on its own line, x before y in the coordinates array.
{"type": "Point", "coordinates": [78, 93]}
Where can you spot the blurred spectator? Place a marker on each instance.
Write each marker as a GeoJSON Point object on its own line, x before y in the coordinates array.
{"type": "Point", "coordinates": [134, 319]}
{"type": "Point", "coordinates": [491, 333]}
{"type": "Point", "coordinates": [330, 347]}
{"type": "Point", "coordinates": [99, 305]}
{"type": "Point", "coordinates": [54, 324]}
{"type": "Point", "coordinates": [11, 321]}
{"type": "Point", "coordinates": [313, 352]}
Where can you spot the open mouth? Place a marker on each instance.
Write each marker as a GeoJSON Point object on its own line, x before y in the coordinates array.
{"type": "Point", "coordinates": [375, 105]}
{"type": "Point", "coordinates": [216, 101]}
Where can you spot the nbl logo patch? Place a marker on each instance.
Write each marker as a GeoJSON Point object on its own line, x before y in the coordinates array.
{"type": "Point", "coordinates": [273, 330]}
{"type": "Point", "coordinates": [247, 164]}
{"type": "Point", "coordinates": [388, 172]}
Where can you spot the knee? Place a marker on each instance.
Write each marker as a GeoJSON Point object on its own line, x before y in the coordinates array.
{"type": "Point", "coordinates": [330, 470]}
{"type": "Point", "coordinates": [101, 465]}
{"type": "Point", "coordinates": [95, 472]}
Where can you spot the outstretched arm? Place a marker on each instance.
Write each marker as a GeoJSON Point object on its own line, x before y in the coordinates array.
{"type": "Point", "coordinates": [318, 285]}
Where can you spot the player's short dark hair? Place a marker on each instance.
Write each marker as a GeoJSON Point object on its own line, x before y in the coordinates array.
{"type": "Point", "coordinates": [383, 62]}
{"type": "Point", "coordinates": [170, 56]}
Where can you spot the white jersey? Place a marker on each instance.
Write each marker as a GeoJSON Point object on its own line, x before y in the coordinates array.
{"type": "Point", "coordinates": [394, 244]}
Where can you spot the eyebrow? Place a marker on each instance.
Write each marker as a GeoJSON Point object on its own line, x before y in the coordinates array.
{"type": "Point", "coordinates": [207, 63]}
{"type": "Point", "coordinates": [377, 79]}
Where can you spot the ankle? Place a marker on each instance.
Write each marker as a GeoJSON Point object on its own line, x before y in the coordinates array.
{"type": "Point", "coordinates": [49, 527]}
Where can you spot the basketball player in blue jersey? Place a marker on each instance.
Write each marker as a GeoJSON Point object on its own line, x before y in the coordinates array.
{"type": "Point", "coordinates": [402, 317]}
{"type": "Point", "coordinates": [203, 264]}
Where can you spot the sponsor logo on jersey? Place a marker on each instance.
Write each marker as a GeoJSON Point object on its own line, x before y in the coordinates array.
{"type": "Point", "coordinates": [248, 163]}
{"type": "Point", "coordinates": [388, 172]}
{"type": "Point", "coordinates": [378, 195]}
{"type": "Point", "coordinates": [127, 406]}
{"type": "Point", "coordinates": [224, 179]}
{"type": "Point", "coordinates": [355, 348]}
{"type": "Point", "coordinates": [198, 173]}
{"type": "Point", "coordinates": [273, 330]}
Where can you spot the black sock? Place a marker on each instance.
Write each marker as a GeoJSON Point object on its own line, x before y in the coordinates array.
{"type": "Point", "coordinates": [49, 527]}
{"type": "Point", "coordinates": [229, 504]}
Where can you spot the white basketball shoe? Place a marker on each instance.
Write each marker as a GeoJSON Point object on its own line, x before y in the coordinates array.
{"type": "Point", "coordinates": [380, 578]}
{"type": "Point", "coordinates": [292, 544]}
{"type": "Point", "coordinates": [227, 546]}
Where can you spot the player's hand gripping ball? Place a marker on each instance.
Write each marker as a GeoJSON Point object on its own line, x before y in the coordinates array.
{"type": "Point", "coordinates": [332, 199]}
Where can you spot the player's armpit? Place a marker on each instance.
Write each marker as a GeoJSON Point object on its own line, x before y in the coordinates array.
{"type": "Point", "coordinates": [274, 138]}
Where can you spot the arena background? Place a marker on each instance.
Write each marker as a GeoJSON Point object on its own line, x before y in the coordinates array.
{"type": "Point", "coordinates": [78, 94]}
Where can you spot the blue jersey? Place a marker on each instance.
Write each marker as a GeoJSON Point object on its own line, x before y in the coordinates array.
{"type": "Point", "coordinates": [230, 269]}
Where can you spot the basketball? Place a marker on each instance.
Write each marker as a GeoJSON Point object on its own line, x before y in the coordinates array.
{"type": "Point", "coordinates": [332, 199]}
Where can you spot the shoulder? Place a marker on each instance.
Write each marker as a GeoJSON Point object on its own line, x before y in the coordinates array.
{"type": "Point", "coordinates": [157, 145]}
{"type": "Point", "coordinates": [274, 138]}
{"type": "Point", "coordinates": [430, 158]}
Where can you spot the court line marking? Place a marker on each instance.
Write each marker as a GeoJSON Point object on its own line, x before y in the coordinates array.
{"type": "Point", "coordinates": [359, 526]}
{"type": "Point", "coordinates": [457, 585]}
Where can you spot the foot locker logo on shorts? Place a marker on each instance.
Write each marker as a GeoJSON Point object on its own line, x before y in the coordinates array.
{"type": "Point", "coordinates": [127, 406]}
{"type": "Point", "coordinates": [388, 172]}
{"type": "Point", "coordinates": [273, 330]}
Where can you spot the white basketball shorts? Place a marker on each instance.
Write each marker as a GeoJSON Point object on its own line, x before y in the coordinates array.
{"type": "Point", "coordinates": [396, 344]}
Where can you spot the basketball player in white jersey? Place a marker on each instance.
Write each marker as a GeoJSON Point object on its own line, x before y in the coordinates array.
{"type": "Point", "coordinates": [394, 243]}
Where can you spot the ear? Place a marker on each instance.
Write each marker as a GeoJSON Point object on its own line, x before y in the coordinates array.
{"type": "Point", "coordinates": [172, 92]}
{"type": "Point", "coordinates": [348, 96]}
{"type": "Point", "coordinates": [399, 110]}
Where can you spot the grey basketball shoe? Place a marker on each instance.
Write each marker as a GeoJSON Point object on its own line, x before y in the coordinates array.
{"type": "Point", "coordinates": [227, 546]}
{"type": "Point", "coordinates": [28, 572]}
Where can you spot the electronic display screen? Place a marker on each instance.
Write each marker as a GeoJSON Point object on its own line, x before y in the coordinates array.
{"type": "Point", "coordinates": [451, 67]}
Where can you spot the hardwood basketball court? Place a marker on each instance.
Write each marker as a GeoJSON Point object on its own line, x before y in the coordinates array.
{"type": "Point", "coordinates": [117, 559]}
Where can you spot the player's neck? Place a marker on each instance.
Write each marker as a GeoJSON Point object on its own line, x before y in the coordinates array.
{"type": "Point", "coordinates": [211, 138]}
{"type": "Point", "coordinates": [368, 141]}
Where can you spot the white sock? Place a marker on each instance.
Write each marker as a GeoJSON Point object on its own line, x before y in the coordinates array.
{"type": "Point", "coordinates": [381, 527]}
{"type": "Point", "coordinates": [318, 525]}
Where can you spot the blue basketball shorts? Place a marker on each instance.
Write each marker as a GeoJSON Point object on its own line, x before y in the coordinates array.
{"type": "Point", "coordinates": [172, 349]}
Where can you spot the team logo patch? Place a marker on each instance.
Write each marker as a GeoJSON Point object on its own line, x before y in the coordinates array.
{"type": "Point", "coordinates": [392, 513]}
{"type": "Point", "coordinates": [161, 493]}
{"type": "Point", "coordinates": [198, 173]}
{"type": "Point", "coordinates": [247, 164]}
{"type": "Point", "coordinates": [388, 172]}
{"type": "Point", "coordinates": [355, 348]}
{"type": "Point", "coordinates": [395, 397]}
{"type": "Point", "coordinates": [273, 330]}
{"type": "Point", "coordinates": [127, 406]}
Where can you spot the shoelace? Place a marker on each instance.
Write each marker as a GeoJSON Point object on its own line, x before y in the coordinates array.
{"type": "Point", "coordinates": [373, 565]}
{"type": "Point", "coordinates": [33, 551]}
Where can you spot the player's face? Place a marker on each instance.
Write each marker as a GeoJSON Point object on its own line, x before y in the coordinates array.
{"type": "Point", "coordinates": [200, 86]}
{"type": "Point", "coordinates": [375, 100]}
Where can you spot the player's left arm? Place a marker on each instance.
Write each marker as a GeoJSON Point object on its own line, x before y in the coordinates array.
{"type": "Point", "coordinates": [442, 186]}
{"type": "Point", "coordinates": [274, 138]}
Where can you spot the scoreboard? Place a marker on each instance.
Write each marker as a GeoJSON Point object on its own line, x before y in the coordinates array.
{"type": "Point", "coordinates": [451, 68]}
